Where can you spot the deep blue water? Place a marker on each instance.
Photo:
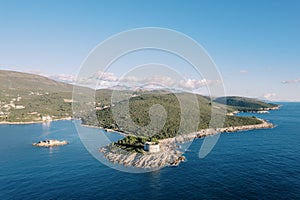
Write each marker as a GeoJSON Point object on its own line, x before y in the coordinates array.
{"type": "Point", "coordinates": [257, 164]}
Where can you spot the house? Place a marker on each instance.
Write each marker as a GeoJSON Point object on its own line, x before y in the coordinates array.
{"type": "Point", "coordinates": [46, 118]}
{"type": "Point", "coordinates": [18, 107]}
{"type": "Point", "coordinates": [151, 147]}
{"type": "Point", "coordinates": [69, 101]}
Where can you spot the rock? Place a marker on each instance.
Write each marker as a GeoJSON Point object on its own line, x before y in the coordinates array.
{"type": "Point", "coordinates": [50, 143]}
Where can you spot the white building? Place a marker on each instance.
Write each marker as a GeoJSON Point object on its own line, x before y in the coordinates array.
{"type": "Point", "coordinates": [151, 147]}
{"type": "Point", "coordinates": [46, 118]}
{"type": "Point", "coordinates": [18, 107]}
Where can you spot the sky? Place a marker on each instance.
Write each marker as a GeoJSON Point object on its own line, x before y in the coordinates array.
{"type": "Point", "coordinates": [254, 44]}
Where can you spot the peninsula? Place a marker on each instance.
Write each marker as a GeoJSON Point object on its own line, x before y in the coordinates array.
{"type": "Point", "coordinates": [131, 151]}
{"type": "Point", "coordinates": [169, 154]}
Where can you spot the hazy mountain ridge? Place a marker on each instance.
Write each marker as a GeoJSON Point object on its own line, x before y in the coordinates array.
{"type": "Point", "coordinates": [19, 81]}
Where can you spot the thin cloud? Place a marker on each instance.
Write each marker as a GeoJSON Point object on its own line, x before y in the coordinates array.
{"type": "Point", "coordinates": [170, 82]}
{"type": "Point", "coordinates": [193, 83]}
{"type": "Point", "coordinates": [291, 81]}
{"type": "Point", "coordinates": [108, 79]}
{"type": "Point", "coordinates": [243, 71]}
{"type": "Point", "coordinates": [105, 76]}
{"type": "Point", "coordinates": [101, 79]}
{"type": "Point", "coordinates": [64, 78]}
{"type": "Point", "coordinates": [270, 96]}
{"type": "Point", "coordinates": [164, 80]}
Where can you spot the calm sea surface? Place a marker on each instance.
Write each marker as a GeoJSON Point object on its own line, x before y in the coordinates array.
{"type": "Point", "coordinates": [258, 164]}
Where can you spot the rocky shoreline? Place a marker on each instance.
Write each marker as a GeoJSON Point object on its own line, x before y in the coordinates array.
{"type": "Point", "coordinates": [213, 131]}
{"type": "Point", "coordinates": [169, 154]}
{"type": "Point", "coordinates": [262, 111]}
{"type": "Point", "coordinates": [107, 130]}
{"type": "Point", "coordinates": [35, 122]}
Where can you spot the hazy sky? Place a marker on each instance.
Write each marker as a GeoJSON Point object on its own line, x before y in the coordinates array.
{"type": "Point", "coordinates": [255, 44]}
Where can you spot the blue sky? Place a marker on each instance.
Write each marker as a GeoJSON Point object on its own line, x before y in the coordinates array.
{"type": "Point", "coordinates": [255, 44]}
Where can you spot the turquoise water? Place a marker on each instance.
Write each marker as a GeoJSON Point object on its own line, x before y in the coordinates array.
{"type": "Point", "coordinates": [257, 164]}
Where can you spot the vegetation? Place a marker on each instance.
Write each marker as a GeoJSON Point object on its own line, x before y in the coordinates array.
{"type": "Point", "coordinates": [134, 144]}
{"type": "Point", "coordinates": [141, 103]}
{"type": "Point", "coordinates": [244, 104]}
{"type": "Point", "coordinates": [28, 97]}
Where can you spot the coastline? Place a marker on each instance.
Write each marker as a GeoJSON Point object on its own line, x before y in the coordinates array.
{"type": "Point", "coordinates": [105, 129]}
{"type": "Point", "coordinates": [254, 111]}
{"type": "Point", "coordinates": [170, 155]}
{"type": "Point", "coordinates": [213, 131]}
{"type": "Point", "coordinates": [34, 122]}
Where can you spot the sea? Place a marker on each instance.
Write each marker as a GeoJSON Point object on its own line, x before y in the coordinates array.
{"type": "Point", "coordinates": [256, 164]}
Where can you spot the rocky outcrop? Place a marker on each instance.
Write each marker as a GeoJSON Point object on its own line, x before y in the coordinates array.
{"type": "Point", "coordinates": [50, 143]}
{"type": "Point", "coordinates": [169, 155]}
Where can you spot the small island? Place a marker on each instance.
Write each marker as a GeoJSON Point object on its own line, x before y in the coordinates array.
{"type": "Point", "coordinates": [50, 143]}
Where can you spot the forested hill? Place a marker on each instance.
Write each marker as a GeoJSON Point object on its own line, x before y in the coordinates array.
{"type": "Point", "coordinates": [244, 103]}
{"type": "Point", "coordinates": [140, 104]}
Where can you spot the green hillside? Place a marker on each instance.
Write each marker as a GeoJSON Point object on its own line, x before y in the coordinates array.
{"type": "Point", "coordinates": [244, 103]}
{"type": "Point", "coordinates": [18, 82]}
{"type": "Point", "coordinates": [28, 97]}
{"type": "Point", "coordinates": [140, 104]}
